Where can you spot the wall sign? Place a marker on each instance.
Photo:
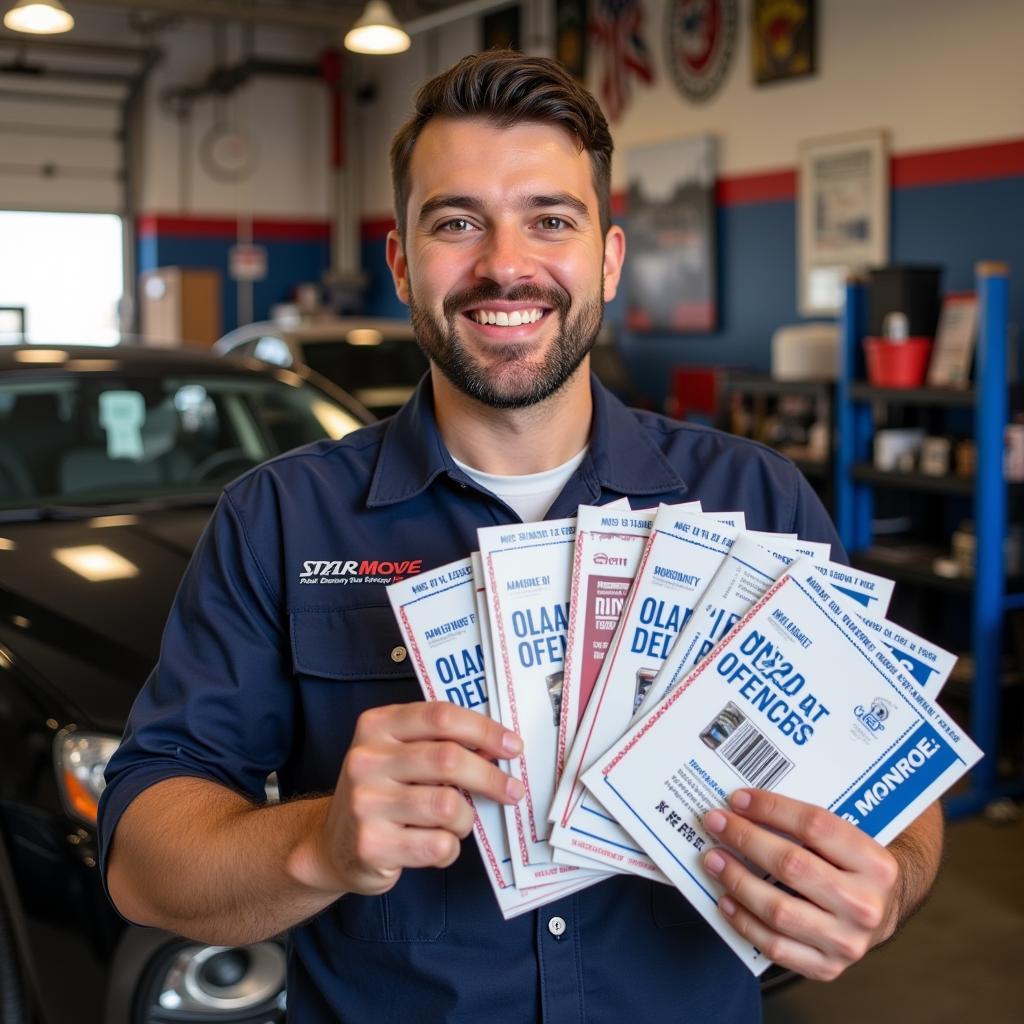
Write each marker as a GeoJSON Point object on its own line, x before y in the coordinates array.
{"type": "Point", "coordinates": [670, 222]}
{"type": "Point", "coordinates": [700, 36]}
{"type": "Point", "coordinates": [842, 215]}
{"type": "Point", "coordinates": [782, 34]}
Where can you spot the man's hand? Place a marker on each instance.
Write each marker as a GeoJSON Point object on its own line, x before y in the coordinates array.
{"type": "Point", "coordinates": [848, 886]}
{"type": "Point", "coordinates": [397, 803]}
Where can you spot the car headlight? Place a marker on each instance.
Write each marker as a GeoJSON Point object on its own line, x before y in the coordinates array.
{"type": "Point", "coordinates": [80, 759]}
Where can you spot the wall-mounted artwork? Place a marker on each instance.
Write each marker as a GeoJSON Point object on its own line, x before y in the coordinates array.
{"type": "Point", "coordinates": [571, 36]}
{"type": "Point", "coordinates": [618, 30]}
{"type": "Point", "coordinates": [843, 215]}
{"type": "Point", "coordinates": [782, 33]}
{"type": "Point", "coordinates": [700, 37]}
{"type": "Point", "coordinates": [670, 225]}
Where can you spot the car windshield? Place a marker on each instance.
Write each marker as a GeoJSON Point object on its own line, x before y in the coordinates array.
{"type": "Point", "coordinates": [110, 439]}
{"type": "Point", "coordinates": [381, 374]}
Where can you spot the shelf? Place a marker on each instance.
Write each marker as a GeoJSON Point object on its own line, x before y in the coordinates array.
{"type": "Point", "coordinates": [913, 564]}
{"type": "Point", "coordinates": [910, 565]}
{"type": "Point", "coordinates": [755, 384]}
{"type": "Point", "coordinates": [913, 481]}
{"type": "Point", "coordinates": [986, 596]}
{"type": "Point", "coordinates": [861, 391]}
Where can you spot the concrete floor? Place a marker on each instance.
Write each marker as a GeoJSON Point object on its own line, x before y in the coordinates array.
{"type": "Point", "coordinates": [959, 961]}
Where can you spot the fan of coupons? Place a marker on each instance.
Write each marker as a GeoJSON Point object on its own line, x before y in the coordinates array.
{"type": "Point", "coordinates": [653, 661]}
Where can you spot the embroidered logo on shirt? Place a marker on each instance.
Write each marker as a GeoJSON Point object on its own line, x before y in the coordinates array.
{"type": "Point", "coordinates": [353, 570]}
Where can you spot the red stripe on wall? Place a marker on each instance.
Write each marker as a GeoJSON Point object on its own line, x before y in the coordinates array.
{"type": "Point", "coordinates": [952, 166]}
{"type": "Point", "coordinates": [909, 170]}
{"type": "Point", "coordinates": [769, 187]}
{"type": "Point", "coordinates": [225, 228]}
{"type": "Point", "coordinates": [373, 229]}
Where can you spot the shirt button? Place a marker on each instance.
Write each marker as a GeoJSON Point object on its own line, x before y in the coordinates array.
{"type": "Point", "coordinates": [556, 926]}
{"type": "Point", "coordinates": [398, 654]}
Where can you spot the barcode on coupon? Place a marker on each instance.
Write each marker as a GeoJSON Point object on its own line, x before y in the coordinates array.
{"type": "Point", "coordinates": [754, 756]}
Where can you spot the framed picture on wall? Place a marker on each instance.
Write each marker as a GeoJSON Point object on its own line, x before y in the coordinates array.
{"type": "Point", "coordinates": [571, 36]}
{"type": "Point", "coordinates": [782, 35]}
{"type": "Point", "coordinates": [670, 223]}
{"type": "Point", "coordinates": [842, 215]}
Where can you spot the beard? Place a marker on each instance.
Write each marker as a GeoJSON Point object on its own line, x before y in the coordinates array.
{"type": "Point", "coordinates": [512, 380]}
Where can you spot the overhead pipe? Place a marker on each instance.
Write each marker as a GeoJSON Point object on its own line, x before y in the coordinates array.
{"type": "Point", "coordinates": [292, 17]}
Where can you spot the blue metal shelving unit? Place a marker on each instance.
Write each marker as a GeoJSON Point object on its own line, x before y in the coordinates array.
{"type": "Point", "coordinates": [989, 600]}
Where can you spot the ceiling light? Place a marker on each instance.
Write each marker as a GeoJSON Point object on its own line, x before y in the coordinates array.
{"type": "Point", "coordinates": [40, 17]}
{"type": "Point", "coordinates": [377, 31]}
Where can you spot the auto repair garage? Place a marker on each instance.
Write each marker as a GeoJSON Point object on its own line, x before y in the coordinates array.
{"type": "Point", "coordinates": [804, 269]}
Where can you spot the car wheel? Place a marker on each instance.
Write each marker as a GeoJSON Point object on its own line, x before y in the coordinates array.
{"type": "Point", "coordinates": [12, 987]}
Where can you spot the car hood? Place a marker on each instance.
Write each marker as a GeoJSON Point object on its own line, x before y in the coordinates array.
{"type": "Point", "coordinates": [91, 642]}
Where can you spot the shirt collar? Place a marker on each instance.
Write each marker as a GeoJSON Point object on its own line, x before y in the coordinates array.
{"type": "Point", "coordinates": [622, 456]}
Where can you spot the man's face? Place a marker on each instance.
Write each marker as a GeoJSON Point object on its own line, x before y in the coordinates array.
{"type": "Point", "coordinates": [504, 265]}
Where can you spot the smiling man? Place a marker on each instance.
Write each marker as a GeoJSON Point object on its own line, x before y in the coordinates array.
{"type": "Point", "coordinates": [505, 254]}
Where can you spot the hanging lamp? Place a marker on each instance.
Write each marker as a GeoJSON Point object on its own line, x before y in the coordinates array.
{"type": "Point", "coordinates": [40, 17]}
{"type": "Point", "coordinates": [377, 31]}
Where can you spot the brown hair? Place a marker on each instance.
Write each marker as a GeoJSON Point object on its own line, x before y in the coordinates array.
{"type": "Point", "coordinates": [507, 88]}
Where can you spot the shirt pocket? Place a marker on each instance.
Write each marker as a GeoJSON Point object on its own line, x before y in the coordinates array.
{"type": "Point", "coordinates": [350, 644]}
{"type": "Point", "coordinates": [347, 660]}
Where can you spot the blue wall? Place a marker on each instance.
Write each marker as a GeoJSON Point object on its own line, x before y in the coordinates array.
{"type": "Point", "coordinates": [289, 263]}
{"type": "Point", "coordinates": [952, 225]}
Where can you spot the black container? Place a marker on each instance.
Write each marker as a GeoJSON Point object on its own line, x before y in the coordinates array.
{"type": "Point", "coordinates": [914, 290]}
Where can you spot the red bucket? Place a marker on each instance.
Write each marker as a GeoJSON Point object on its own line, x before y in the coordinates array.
{"type": "Point", "coordinates": [897, 364]}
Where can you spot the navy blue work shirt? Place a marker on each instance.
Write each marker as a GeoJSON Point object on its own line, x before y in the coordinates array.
{"type": "Point", "coordinates": [261, 670]}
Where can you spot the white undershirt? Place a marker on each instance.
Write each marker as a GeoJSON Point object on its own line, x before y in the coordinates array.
{"type": "Point", "coordinates": [528, 496]}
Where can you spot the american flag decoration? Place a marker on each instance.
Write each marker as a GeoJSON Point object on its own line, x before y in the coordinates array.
{"type": "Point", "coordinates": [617, 26]}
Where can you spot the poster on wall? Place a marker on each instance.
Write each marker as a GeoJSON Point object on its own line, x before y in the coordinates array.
{"type": "Point", "coordinates": [670, 223]}
{"type": "Point", "coordinates": [571, 36]}
{"type": "Point", "coordinates": [700, 36]}
{"type": "Point", "coordinates": [782, 37]}
{"type": "Point", "coordinates": [842, 215]}
{"type": "Point", "coordinates": [617, 28]}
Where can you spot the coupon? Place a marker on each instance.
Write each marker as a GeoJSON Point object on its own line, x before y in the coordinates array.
{"type": "Point", "coordinates": [609, 543]}
{"type": "Point", "coordinates": [753, 563]}
{"type": "Point", "coordinates": [526, 569]}
{"type": "Point", "coordinates": [567, 880]}
{"type": "Point", "coordinates": [801, 698]}
{"type": "Point", "coordinates": [438, 619]}
{"type": "Point", "coordinates": [682, 554]}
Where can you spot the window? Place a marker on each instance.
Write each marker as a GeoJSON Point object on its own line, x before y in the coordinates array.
{"type": "Point", "coordinates": [66, 270]}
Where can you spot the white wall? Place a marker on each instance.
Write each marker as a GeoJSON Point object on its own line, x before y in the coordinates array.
{"type": "Point", "coordinates": [934, 73]}
{"type": "Point", "coordinates": [287, 117]}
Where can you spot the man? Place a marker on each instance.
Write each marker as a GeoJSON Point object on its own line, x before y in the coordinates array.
{"type": "Point", "coordinates": [505, 253]}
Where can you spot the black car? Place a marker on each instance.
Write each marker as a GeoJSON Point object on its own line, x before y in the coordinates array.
{"type": "Point", "coordinates": [374, 358]}
{"type": "Point", "coordinates": [110, 462]}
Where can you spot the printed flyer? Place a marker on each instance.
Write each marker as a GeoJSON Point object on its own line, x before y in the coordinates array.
{"type": "Point", "coordinates": [609, 543]}
{"type": "Point", "coordinates": [526, 569]}
{"type": "Point", "coordinates": [768, 708]}
{"type": "Point", "coordinates": [437, 615]}
{"type": "Point", "coordinates": [682, 554]}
